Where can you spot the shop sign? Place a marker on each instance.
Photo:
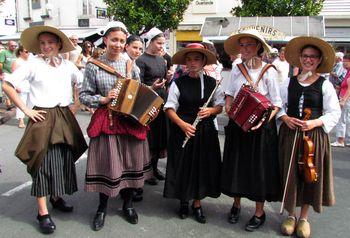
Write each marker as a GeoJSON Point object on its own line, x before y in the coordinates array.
{"type": "Point", "coordinates": [204, 6]}
{"type": "Point", "coordinates": [268, 32]}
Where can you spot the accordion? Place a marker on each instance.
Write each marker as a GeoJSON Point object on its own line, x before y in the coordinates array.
{"type": "Point", "coordinates": [135, 100]}
{"type": "Point", "coordinates": [249, 107]}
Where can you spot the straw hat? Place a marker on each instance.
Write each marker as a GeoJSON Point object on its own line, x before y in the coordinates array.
{"type": "Point", "coordinates": [179, 57]}
{"type": "Point", "coordinates": [293, 51]}
{"type": "Point", "coordinates": [231, 45]}
{"type": "Point", "coordinates": [29, 38]}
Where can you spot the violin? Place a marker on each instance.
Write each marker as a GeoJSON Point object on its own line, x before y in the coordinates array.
{"type": "Point", "coordinates": [306, 163]}
{"type": "Point", "coordinates": [307, 169]}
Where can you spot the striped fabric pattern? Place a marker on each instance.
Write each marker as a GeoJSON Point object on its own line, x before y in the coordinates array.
{"type": "Point", "coordinates": [57, 175]}
{"type": "Point", "coordinates": [116, 162]}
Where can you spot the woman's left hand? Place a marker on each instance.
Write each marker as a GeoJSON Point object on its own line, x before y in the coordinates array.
{"type": "Point", "coordinates": [205, 112]}
{"type": "Point", "coordinates": [260, 123]}
{"type": "Point", "coordinates": [310, 124]}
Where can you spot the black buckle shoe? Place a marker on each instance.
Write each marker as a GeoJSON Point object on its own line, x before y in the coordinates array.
{"type": "Point", "coordinates": [46, 225]}
{"type": "Point", "coordinates": [137, 195]}
{"type": "Point", "coordinates": [99, 221]}
{"type": "Point", "coordinates": [233, 216]}
{"type": "Point", "coordinates": [158, 175]}
{"type": "Point", "coordinates": [61, 205]}
{"type": "Point", "coordinates": [131, 215]}
{"type": "Point", "coordinates": [183, 211]}
{"type": "Point", "coordinates": [198, 214]}
{"type": "Point", "coordinates": [151, 181]}
{"type": "Point", "coordinates": [255, 222]}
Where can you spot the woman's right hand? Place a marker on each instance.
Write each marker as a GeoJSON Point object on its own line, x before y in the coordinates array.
{"type": "Point", "coordinates": [35, 115]}
{"type": "Point", "coordinates": [292, 122]}
{"type": "Point", "coordinates": [110, 96]}
{"type": "Point", "coordinates": [159, 83]}
{"type": "Point", "coordinates": [188, 129]}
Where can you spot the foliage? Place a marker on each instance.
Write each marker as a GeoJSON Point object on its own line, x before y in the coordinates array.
{"type": "Point", "coordinates": [136, 14]}
{"type": "Point", "coordinates": [278, 8]}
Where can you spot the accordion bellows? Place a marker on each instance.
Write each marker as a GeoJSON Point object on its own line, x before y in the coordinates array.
{"type": "Point", "coordinates": [249, 107]}
{"type": "Point", "coordinates": [135, 100]}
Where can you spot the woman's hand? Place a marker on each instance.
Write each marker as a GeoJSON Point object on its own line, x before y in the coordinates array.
{"type": "Point", "coordinates": [159, 83]}
{"type": "Point", "coordinates": [292, 122]}
{"type": "Point", "coordinates": [188, 129]}
{"type": "Point", "coordinates": [112, 94]}
{"type": "Point", "coordinates": [35, 115]}
{"type": "Point", "coordinates": [260, 123]}
{"type": "Point", "coordinates": [311, 124]}
{"type": "Point", "coordinates": [205, 112]}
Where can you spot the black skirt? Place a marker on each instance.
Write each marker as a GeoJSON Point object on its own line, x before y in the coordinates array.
{"type": "Point", "coordinates": [158, 135]}
{"type": "Point", "coordinates": [250, 164]}
{"type": "Point", "coordinates": [193, 172]}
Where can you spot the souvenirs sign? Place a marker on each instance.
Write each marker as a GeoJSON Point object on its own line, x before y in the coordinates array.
{"type": "Point", "coordinates": [268, 32]}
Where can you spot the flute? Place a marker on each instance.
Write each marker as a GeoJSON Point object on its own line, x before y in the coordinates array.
{"type": "Point", "coordinates": [197, 120]}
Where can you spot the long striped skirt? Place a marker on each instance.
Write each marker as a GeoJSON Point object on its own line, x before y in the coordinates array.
{"type": "Point", "coordinates": [116, 162]}
{"type": "Point", "coordinates": [56, 175]}
{"type": "Point", "coordinates": [318, 194]}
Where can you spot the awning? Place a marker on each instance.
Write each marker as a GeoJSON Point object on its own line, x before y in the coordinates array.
{"type": "Point", "coordinates": [220, 28]}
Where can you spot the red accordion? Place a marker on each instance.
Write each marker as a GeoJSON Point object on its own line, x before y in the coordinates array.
{"type": "Point", "coordinates": [249, 106]}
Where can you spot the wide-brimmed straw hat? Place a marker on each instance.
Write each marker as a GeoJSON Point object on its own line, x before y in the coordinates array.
{"type": "Point", "coordinates": [231, 44]}
{"type": "Point", "coordinates": [293, 51]}
{"type": "Point", "coordinates": [29, 39]}
{"type": "Point", "coordinates": [180, 56]}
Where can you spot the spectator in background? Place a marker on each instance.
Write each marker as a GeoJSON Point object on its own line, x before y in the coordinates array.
{"type": "Point", "coordinates": [338, 73]}
{"type": "Point", "coordinates": [270, 57]}
{"type": "Point", "coordinates": [6, 59]}
{"type": "Point", "coordinates": [73, 55]}
{"type": "Point", "coordinates": [213, 70]}
{"type": "Point", "coordinates": [23, 89]}
{"type": "Point", "coordinates": [343, 126]}
{"type": "Point", "coordinates": [282, 66]}
{"type": "Point", "coordinates": [83, 58]}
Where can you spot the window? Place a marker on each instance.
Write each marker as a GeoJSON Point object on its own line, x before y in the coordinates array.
{"type": "Point", "coordinates": [36, 4]}
{"type": "Point", "coordinates": [87, 7]}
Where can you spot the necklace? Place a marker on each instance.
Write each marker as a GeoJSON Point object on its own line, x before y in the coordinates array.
{"type": "Point", "coordinates": [303, 77]}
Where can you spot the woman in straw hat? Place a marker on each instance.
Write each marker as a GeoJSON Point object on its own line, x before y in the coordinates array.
{"type": "Point", "coordinates": [153, 72]}
{"type": "Point", "coordinates": [53, 140]}
{"type": "Point", "coordinates": [308, 90]}
{"type": "Point", "coordinates": [250, 163]}
{"type": "Point", "coordinates": [193, 172]}
{"type": "Point", "coordinates": [118, 160]}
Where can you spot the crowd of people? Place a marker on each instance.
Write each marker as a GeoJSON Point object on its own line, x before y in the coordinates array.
{"type": "Point", "coordinates": [258, 165]}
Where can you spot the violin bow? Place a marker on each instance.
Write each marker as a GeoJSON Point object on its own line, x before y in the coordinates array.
{"type": "Point", "coordinates": [291, 161]}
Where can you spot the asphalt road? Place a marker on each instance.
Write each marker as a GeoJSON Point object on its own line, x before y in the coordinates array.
{"type": "Point", "coordinates": [157, 215]}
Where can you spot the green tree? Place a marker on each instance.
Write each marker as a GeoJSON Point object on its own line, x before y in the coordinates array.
{"type": "Point", "coordinates": [135, 14]}
{"type": "Point", "coordinates": [278, 8]}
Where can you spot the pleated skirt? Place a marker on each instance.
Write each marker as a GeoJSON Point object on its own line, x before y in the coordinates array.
{"type": "Point", "coordinates": [193, 172]}
{"type": "Point", "coordinates": [56, 175]}
{"type": "Point", "coordinates": [250, 164]}
{"type": "Point", "coordinates": [318, 194]}
{"type": "Point", "coordinates": [115, 162]}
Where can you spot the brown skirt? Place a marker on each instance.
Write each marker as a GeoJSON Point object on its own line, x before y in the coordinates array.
{"type": "Point", "coordinates": [318, 194]}
{"type": "Point", "coordinates": [59, 127]}
{"type": "Point", "coordinates": [116, 162]}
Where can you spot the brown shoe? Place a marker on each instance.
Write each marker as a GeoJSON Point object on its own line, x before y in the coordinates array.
{"type": "Point", "coordinates": [288, 226]}
{"type": "Point", "coordinates": [303, 229]}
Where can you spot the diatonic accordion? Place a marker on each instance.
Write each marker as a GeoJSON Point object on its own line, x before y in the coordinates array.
{"type": "Point", "coordinates": [135, 100]}
{"type": "Point", "coordinates": [249, 107]}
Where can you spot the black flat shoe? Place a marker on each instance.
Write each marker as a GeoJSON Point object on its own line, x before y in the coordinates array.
{"type": "Point", "coordinates": [46, 225]}
{"type": "Point", "coordinates": [99, 221]}
{"type": "Point", "coordinates": [151, 181]}
{"type": "Point", "coordinates": [198, 214]}
{"type": "Point", "coordinates": [183, 211]}
{"type": "Point", "coordinates": [130, 215]}
{"type": "Point", "coordinates": [255, 222]}
{"type": "Point", "coordinates": [158, 175]}
{"type": "Point", "coordinates": [61, 205]}
{"type": "Point", "coordinates": [233, 216]}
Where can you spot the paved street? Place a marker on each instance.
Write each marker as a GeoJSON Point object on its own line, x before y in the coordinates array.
{"type": "Point", "coordinates": [157, 216]}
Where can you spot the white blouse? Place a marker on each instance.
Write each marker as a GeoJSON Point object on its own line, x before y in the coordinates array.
{"type": "Point", "coordinates": [331, 107]}
{"type": "Point", "coordinates": [174, 95]}
{"type": "Point", "coordinates": [49, 86]}
{"type": "Point", "coordinates": [268, 85]}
